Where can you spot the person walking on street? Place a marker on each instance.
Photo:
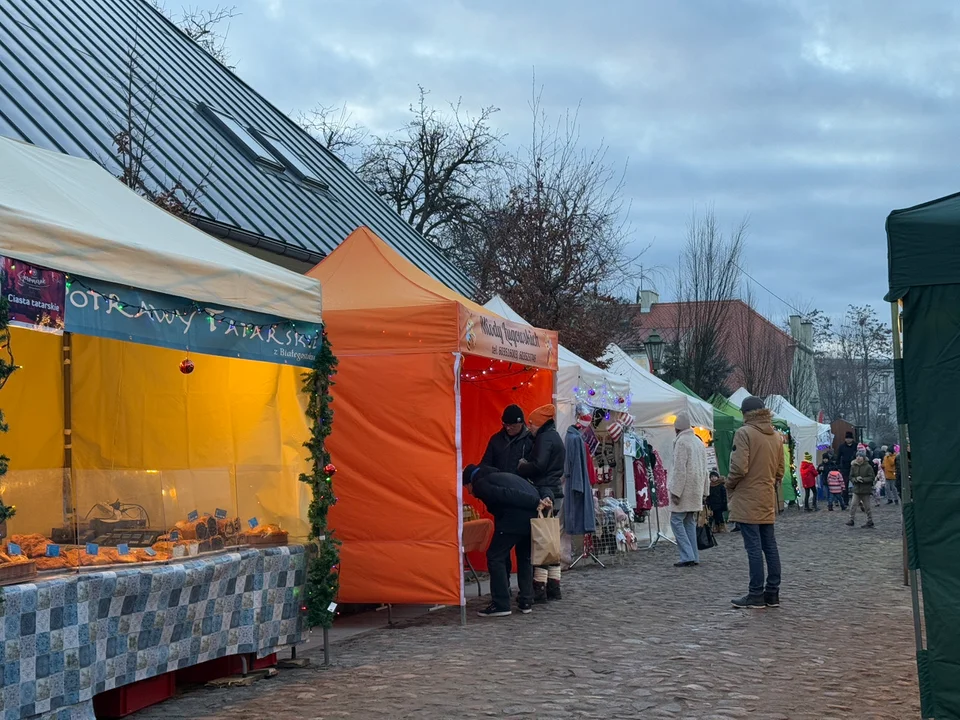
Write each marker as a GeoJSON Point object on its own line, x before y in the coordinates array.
{"type": "Point", "coordinates": [513, 502]}
{"type": "Point", "coordinates": [846, 454]}
{"type": "Point", "coordinates": [755, 465]}
{"type": "Point", "coordinates": [717, 502]}
{"type": "Point", "coordinates": [862, 476]}
{"type": "Point", "coordinates": [808, 476]}
{"type": "Point", "coordinates": [511, 444]}
{"type": "Point", "coordinates": [544, 470]}
{"type": "Point", "coordinates": [836, 484]}
{"type": "Point", "coordinates": [688, 485]}
{"type": "Point", "coordinates": [890, 474]}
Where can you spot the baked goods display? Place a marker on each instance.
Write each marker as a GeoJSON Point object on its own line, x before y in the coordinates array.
{"type": "Point", "coordinates": [265, 535]}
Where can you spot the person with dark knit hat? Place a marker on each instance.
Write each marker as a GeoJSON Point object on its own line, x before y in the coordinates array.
{"type": "Point", "coordinates": [511, 444]}
{"type": "Point", "coordinates": [756, 464]}
{"type": "Point", "coordinates": [513, 502]}
{"type": "Point", "coordinates": [544, 469]}
{"type": "Point", "coordinates": [846, 454]}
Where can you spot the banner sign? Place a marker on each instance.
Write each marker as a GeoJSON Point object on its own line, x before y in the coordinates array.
{"type": "Point", "coordinates": [103, 309]}
{"type": "Point", "coordinates": [712, 459]}
{"type": "Point", "coordinates": [494, 337]}
{"type": "Point", "coordinates": [35, 295]}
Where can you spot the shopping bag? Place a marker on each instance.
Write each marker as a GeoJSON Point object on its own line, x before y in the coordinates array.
{"type": "Point", "coordinates": [705, 538]}
{"type": "Point", "coordinates": [545, 540]}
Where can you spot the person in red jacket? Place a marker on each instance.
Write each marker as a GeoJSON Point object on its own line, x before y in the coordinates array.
{"type": "Point", "coordinates": [808, 476]}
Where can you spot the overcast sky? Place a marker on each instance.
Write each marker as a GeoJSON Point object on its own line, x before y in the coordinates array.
{"type": "Point", "coordinates": [814, 118]}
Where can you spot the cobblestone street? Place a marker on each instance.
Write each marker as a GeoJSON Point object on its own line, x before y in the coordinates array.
{"type": "Point", "coordinates": [642, 640]}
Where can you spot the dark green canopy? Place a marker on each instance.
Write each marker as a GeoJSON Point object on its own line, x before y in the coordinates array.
{"type": "Point", "coordinates": [923, 243]}
{"type": "Point", "coordinates": [724, 427]}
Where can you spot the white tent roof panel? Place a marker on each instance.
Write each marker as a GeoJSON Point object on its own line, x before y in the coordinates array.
{"type": "Point", "coordinates": [71, 215]}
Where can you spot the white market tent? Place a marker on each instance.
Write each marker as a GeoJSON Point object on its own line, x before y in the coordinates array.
{"type": "Point", "coordinates": [575, 376]}
{"type": "Point", "coordinates": [61, 212]}
{"type": "Point", "coordinates": [739, 396]}
{"type": "Point", "coordinates": [804, 430]}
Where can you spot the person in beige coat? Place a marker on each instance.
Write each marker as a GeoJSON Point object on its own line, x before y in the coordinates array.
{"type": "Point", "coordinates": [688, 485]}
{"type": "Point", "coordinates": [756, 466]}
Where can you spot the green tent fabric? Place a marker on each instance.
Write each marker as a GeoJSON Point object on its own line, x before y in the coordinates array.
{"type": "Point", "coordinates": [923, 244]}
{"type": "Point", "coordinates": [721, 403]}
{"type": "Point", "coordinates": [724, 428]}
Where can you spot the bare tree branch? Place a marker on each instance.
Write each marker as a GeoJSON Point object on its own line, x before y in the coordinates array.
{"type": "Point", "coordinates": [335, 128]}
{"type": "Point", "coordinates": [203, 27]}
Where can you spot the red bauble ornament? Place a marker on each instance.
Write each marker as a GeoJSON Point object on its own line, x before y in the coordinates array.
{"type": "Point", "coordinates": [186, 366]}
{"type": "Point", "coordinates": [330, 469]}
{"type": "Point", "coordinates": [621, 400]}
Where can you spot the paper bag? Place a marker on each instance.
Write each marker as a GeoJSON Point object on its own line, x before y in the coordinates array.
{"type": "Point", "coordinates": [545, 541]}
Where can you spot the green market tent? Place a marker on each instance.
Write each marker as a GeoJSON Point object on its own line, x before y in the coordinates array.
{"type": "Point", "coordinates": [724, 427]}
{"type": "Point", "coordinates": [787, 490]}
{"type": "Point", "coordinates": [923, 245]}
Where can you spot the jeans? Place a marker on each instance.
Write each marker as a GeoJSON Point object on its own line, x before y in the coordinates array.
{"type": "Point", "coordinates": [684, 526]}
{"type": "Point", "coordinates": [892, 493]}
{"type": "Point", "coordinates": [760, 541]}
{"type": "Point", "coordinates": [808, 494]}
{"type": "Point", "coordinates": [498, 565]}
{"type": "Point", "coordinates": [838, 499]}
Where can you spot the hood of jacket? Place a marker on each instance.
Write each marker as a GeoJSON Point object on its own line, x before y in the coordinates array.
{"type": "Point", "coordinates": [761, 419]}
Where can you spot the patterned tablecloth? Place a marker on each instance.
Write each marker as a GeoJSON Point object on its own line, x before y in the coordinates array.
{"type": "Point", "coordinates": [69, 638]}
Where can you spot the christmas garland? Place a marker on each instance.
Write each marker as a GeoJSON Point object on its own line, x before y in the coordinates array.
{"type": "Point", "coordinates": [793, 466]}
{"type": "Point", "coordinates": [323, 562]}
{"type": "Point", "coordinates": [7, 368]}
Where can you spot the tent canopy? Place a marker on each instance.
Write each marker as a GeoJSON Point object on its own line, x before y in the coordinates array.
{"type": "Point", "coordinates": [71, 215]}
{"type": "Point", "coordinates": [394, 307]}
{"type": "Point", "coordinates": [922, 246]}
{"type": "Point", "coordinates": [655, 403]}
{"type": "Point", "coordinates": [725, 426]}
{"type": "Point", "coordinates": [732, 405]}
{"type": "Point", "coordinates": [574, 372]}
{"type": "Point", "coordinates": [804, 430]}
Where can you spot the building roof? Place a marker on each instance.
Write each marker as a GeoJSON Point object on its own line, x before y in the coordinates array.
{"type": "Point", "coordinates": [746, 331]}
{"type": "Point", "coordinates": [64, 67]}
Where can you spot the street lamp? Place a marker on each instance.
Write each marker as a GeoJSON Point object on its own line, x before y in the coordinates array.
{"type": "Point", "coordinates": [654, 347]}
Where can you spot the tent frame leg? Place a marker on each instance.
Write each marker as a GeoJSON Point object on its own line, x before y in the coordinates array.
{"type": "Point", "coordinates": [476, 578]}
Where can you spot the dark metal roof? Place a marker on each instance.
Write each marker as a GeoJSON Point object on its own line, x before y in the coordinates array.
{"type": "Point", "coordinates": [63, 68]}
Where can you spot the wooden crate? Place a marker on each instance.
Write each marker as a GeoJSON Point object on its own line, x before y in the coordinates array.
{"type": "Point", "coordinates": [15, 572]}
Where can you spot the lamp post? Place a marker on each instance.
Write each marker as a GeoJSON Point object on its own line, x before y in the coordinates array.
{"type": "Point", "coordinates": [654, 347]}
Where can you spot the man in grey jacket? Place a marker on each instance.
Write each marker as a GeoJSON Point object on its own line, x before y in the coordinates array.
{"type": "Point", "coordinates": [688, 484]}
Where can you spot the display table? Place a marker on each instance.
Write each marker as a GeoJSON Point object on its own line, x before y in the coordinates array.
{"type": "Point", "coordinates": [70, 637]}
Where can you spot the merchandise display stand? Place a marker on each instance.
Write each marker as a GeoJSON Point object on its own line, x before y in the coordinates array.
{"type": "Point", "coordinates": [587, 552]}
{"type": "Point", "coordinates": [655, 539]}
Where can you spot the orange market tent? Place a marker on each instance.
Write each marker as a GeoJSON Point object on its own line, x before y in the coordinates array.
{"type": "Point", "coordinates": [423, 376]}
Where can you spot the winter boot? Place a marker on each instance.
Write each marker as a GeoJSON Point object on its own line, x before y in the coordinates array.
{"type": "Point", "coordinates": [539, 593]}
{"type": "Point", "coordinates": [753, 602]}
{"type": "Point", "coordinates": [553, 590]}
{"type": "Point", "coordinates": [772, 598]}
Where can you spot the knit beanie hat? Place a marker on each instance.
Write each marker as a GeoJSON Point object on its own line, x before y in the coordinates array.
{"type": "Point", "coordinates": [512, 414]}
{"type": "Point", "coordinates": [468, 472]}
{"type": "Point", "coordinates": [542, 414]}
{"type": "Point", "coordinates": [861, 453]}
{"type": "Point", "coordinates": [750, 404]}
{"type": "Point", "coordinates": [682, 422]}
{"type": "Point", "coordinates": [808, 457]}
{"type": "Point", "coordinates": [849, 435]}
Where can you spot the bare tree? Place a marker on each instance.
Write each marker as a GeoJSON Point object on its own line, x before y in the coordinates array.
{"type": "Point", "coordinates": [708, 282]}
{"type": "Point", "coordinates": [204, 28]}
{"type": "Point", "coordinates": [434, 171]}
{"type": "Point", "coordinates": [132, 144]}
{"type": "Point", "coordinates": [552, 239]}
{"type": "Point", "coordinates": [864, 346]}
{"type": "Point", "coordinates": [760, 354]}
{"type": "Point", "coordinates": [336, 129]}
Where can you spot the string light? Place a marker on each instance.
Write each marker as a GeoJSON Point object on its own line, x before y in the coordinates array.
{"type": "Point", "coordinates": [603, 396]}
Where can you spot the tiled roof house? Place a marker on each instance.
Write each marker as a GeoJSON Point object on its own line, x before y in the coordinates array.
{"type": "Point", "coordinates": [270, 187]}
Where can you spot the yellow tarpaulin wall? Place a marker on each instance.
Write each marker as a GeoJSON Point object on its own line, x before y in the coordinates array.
{"type": "Point", "coordinates": [230, 435]}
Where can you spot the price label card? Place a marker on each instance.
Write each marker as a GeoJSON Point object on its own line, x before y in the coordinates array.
{"type": "Point", "coordinates": [193, 516]}
{"type": "Point", "coordinates": [332, 607]}
{"type": "Point", "coordinates": [174, 535]}
{"type": "Point", "coordinates": [253, 522]}
{"type": "Point", "coordinates": [151, 552]}
{"type": "Point", "coordinates": [14, 549]}
{"type": "Point", "coordinates": [321, 538]}
{"type": "Point", "coordinates": [93, 549]}
{"type": "Point", "coordinates": [53, 550]}
{"type": "Point", "coordinates": [220, 514]}
{"type": "Point", "coordinates": [123, 549]}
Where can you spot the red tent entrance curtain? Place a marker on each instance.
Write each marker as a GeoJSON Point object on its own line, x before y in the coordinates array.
{"type": "Point", "coordinates": [486, 388]}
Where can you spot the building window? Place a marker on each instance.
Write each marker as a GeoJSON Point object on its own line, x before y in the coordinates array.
{"type": "Point", "coordinates": [243, 138]}
{"type": "Point", "coordinates": [307, 174]}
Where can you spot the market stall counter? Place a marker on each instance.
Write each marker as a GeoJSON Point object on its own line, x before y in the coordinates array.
{"type": "Point", "coordinates": [150, 509]}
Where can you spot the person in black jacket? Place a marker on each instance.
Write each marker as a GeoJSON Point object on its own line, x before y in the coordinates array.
{"type": "Point", "coordinates": [513, 443]}
{"type": "Point", "coordinates": [846, 454]}
{"type": "Point", "coordinates": [545, 470]}
{"type": "Point", "coordinates": [513, 502]}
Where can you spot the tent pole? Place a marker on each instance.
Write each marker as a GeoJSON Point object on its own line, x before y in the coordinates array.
{"type": "Point", "coordinates": [909, 575]}
{"type": "Point", "coordinates": [69, 501]}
